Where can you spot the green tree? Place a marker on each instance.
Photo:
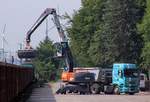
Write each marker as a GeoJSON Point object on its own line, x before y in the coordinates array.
{"type": "Point", "coordinates": [44, 63]}
{"type": "Point", "coordinates": [144, 29]}
{"type": "Point", "coordinates": [104, 32]}
{"type": "Point", "coordinates": [85, 23]}
{"type": "Point", "coordinates": [121, 41]}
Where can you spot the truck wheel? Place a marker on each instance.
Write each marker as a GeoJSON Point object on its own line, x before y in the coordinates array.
{"type": "Point", "coordinates": [82, 93]}
{"type": "Point", "coordinates": [116, 90]}
{"type": "Point", "coordinates": [68, 91]}
{"type": "Point", "coordinates": [95, 89]}
{"type": "Point", "coordinates": [58, 91]}
{"type": "Point", "coordinates": [131, 93]}
{"type": "Point", "coordinates": [75, 91]}
{"type": "Point", "coordinates": [62, 92]}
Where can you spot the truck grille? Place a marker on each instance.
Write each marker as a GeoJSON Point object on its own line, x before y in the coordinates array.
{"type": "Point", "coordinates": [131, 82]}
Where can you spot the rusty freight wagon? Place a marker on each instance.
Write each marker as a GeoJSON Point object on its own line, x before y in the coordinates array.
{"type": "Point", "coordinates": [13, 79]}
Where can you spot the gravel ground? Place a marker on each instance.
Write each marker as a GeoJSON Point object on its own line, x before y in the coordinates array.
{"type": "Point", "coordinates": [55, 86]}
{"type": "Point", "coordinates": [102, 98]}
{"type": "Point", "coordinates": [44, 93]}
{"type": "Point", "coordinates": [140, 97]}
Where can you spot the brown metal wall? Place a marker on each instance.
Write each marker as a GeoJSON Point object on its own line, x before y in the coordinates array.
{"type": "Point", "coordinates": [13, 79]}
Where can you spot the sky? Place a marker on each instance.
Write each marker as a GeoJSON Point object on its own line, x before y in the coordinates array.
{"type": "Point", "coordinates": [20, 15]}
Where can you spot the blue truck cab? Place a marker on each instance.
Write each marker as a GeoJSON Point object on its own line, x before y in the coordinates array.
{"type": "Point", "coordinates": [125, 78]}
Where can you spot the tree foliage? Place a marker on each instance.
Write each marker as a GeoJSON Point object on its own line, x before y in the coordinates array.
{"type": "Point", "coordinates": [104, 32]}
{"type": "Point", "coordinates": [85, 23]}
{"type": "Point", "coordinates": [45, 65]}
{"type": "Point", "coordinates": [144, 29]}
{"type": "Point", "coordinates": [122, 43]}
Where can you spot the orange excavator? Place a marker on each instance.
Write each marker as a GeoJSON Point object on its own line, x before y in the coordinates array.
{"type": "Point", "coordinates": [29, 52]}
{"type": "Point", "coordinates": [72, 81]}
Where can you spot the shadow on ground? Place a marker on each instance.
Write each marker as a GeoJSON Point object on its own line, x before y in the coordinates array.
{"type": "Point", "coordinates": [37, 92]}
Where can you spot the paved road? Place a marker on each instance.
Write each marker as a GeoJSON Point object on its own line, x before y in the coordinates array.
{"type": "Point", "coordinates": [44, 94]}
{"type": "Point", "coordinates": [102, 98]}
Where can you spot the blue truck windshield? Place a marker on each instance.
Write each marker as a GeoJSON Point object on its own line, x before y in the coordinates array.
{"type": "Point", "coordinates": [131, 73]}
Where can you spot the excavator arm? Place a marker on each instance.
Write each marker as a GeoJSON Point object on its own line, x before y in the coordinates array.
{"type": "Point", "coordinates": [38, 23]}
{"type": "Point", "coordinates": [43, 16]}
{"type": "Point", "coordinates": [28, 52]}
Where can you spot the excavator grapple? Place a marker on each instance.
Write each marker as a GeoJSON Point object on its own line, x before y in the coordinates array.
{"type": "Point", "coordinates": [27, 53]}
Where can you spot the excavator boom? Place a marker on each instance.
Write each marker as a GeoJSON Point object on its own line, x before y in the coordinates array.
{"type": "Point", "coordinates": [28, 52]}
